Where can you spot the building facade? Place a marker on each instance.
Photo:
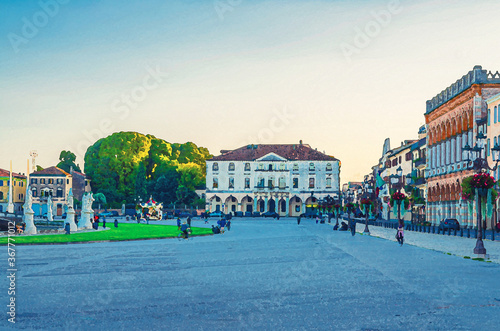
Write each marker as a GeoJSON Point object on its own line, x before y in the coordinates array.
{"type": "Point", "coordinates": [18, 190]}
{"type": "Point", "coordinates": [287, 179]}
{"type": "Point", "coordinates": [56, 183]}
{"type": "Point", "coordinates": [493, 128]}
{"type": "Point", "coordinates": [453, 118]}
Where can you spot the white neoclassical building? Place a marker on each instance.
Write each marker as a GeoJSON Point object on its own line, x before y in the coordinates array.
{"type": "Point", "coordinates": [287, 179]}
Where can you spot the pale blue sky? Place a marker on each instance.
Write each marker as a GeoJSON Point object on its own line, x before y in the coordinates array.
{"type": "Point", "coordinates": [226, 76]}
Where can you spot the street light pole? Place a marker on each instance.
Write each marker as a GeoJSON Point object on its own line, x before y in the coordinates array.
{"type": "Point", "coordinates": [480, 165]}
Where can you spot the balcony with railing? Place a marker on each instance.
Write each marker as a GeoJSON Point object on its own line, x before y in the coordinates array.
{"type": "Point", "coordinates": [420, 163]}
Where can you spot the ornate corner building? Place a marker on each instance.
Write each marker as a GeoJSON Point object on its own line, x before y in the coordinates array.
{"type": "Point", "coordinates": [286, 179]}
{"type": "Point", "coordinates": [453, 118]}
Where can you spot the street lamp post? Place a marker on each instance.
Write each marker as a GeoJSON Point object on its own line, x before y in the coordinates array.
{"type": "Point", "coordinates": [480, 165]}
{"type": "Point", "coordinates": [368, 201]}
{"type": "Point", "coordinates": [396, 182]}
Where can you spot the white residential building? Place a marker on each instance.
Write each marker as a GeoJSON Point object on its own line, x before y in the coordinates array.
{"type": "Point", "coordinates": [287, 179]}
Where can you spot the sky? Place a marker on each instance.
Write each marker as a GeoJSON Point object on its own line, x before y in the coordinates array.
{"type": "Point", "coordinates": [342, 76]}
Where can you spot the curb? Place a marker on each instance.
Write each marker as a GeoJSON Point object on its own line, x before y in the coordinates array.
{"type": "Point", "coordinates": [100, 241]}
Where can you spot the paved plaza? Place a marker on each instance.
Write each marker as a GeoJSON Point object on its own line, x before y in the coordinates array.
{"type": "Point", "coordinates": [261, 275]}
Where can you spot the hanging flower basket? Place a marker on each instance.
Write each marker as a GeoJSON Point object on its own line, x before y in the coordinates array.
{"type": "Point", "coordinates": [398, 198]}
{"type": "Point", "coordinates": [367, 203]}
{"type": "Point", "coordinates": [483, 182]}
{"type": "Point", "coordinates": [349, 207]}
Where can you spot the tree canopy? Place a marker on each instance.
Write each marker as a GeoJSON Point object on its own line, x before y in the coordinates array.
{"type": "Point", "coordinates": [126, 165]}
{"type": "Point", "coordinates": [67, 160]}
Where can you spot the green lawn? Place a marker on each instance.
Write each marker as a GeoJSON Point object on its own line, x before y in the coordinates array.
{"type": "Point", "coordinates": [125, 231]}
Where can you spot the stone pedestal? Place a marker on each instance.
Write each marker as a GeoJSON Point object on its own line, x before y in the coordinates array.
{"type": "Point", "coordinates": [70, 218]}
{"type": "Point", "coordinates": [30, 225]}
{"type": "Point", "coordinates": [85, 221]}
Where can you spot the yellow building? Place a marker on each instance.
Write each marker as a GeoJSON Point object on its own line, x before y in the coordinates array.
{"type": "Point", "coordinates": [18, 190]}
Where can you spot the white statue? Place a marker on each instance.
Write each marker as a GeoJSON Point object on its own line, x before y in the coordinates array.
{"type": "Point", "coordinates": [28, 213]}
{"type": "Point", "coordinates": [70, 214]}
{"type": "Point", "coordinates": [87, 212]}
{"type": "Point", "coordinates": [50, 216]}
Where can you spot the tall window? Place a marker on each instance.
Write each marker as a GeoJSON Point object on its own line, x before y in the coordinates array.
{"type": "Point", "coordinates": [282, 182]}
{"type": "Point", "coordinates": [328, 167]}
{"type": "Point", "coordinates": [215, 183]}
{"type": "Point", "coordinates": [231, 166]}
{"type": "Point", "coordinates": [59, 193]}
{"type": "Point", "coordinates": [34, 181]}
{"type": "Point", "coordinates": [231, 182]}
{"type": "Point", "coordinates": [51, 181]}
{"type": "Point", "coordinates": [328, 182]}
{"type": "Point", "coordinates": [495, 115]}
{"type": "Point", "coordinates": [42, 180]}
{"type": "Point", "coordinates": [270, 182]}
{"type": "Point", "coordinates": [261, 182]}
{"type": "Point", "coordinates": [295, 167]}
{"type": "Point", "coordinates": [261, 166]}
{"type": "Point", "coordinates": [1, 182]}
{"type": "Point", "coordinates": [270, 167]}
{"type": "Point", "coordinates": [1, 195]}
{"type": "Point", "coordinates": [34, 192]}
{"type": "Point", "coordinates": [311, 182]}
{"type": "Point", "coordinates": [488, 117]}
{"type": "Point", "coordinates": [247, 182]}
{"type": "Point", "coordinates": [215, 166]}
{"type": "Point", "coordinates": [488, 147]}
{"type": "Point", "coordinates": [295, 182]}
{"type": "Point", "coordinates": [311, 167]}
{"type": "Point", "coordinates": [247, 166]}
{"type": "Point", "coordinates": [282, 166]}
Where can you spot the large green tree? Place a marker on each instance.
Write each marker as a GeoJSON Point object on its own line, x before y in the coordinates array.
{"type": "Point", "coordinates": [126, 164]}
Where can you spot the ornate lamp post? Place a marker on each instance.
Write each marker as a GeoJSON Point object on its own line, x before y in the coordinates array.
{"type": "Point", "coordinates": [367, 201]}
{"type": "Point", "coordinates": [481, 167]}
{"type": "Point", "coordinates": [395, 180]}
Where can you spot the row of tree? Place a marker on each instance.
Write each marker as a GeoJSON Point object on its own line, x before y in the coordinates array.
{"type": "Point", "coordinates": [129, 165]}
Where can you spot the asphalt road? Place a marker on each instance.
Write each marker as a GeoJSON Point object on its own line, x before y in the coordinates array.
{"type": "Point", "coordinates": [263, 274]}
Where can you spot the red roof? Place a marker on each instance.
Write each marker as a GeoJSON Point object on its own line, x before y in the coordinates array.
{"type": "Point", "coordinates": [51, 171]}
{"type": "Point", "coordinates": [79, 173]}
{"type": "Point", "coordinates": [6, 173]}
{"type": "Point", "coordinates": [299, 152]}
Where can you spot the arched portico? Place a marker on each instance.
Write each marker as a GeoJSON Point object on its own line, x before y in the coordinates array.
{"type": "Point", "coordinates": [231, 204]}
{"type": "Point", "coordinates": [247, 204]}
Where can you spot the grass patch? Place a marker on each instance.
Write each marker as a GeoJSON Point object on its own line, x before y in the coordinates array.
{"type": "Point", "coordinates": [124, 231]}
{"type": "Point", "coordinates": [478, 259]}
{"type": "Point", "coordinates": [448, 253]}
{"type": "Point", "coordinates": [466, 257]}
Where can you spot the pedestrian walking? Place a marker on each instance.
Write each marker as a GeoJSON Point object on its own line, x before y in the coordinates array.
{"type": "Point", "coordinates": [179, 223]}
{"type": "Point", "coordinates": [400, 234]}
{"type": "Point", "coordinates": [298, 220]}
{"type": "Point", "coordinates": [317, 219]}
{"type": "Point", "coordinates": [222, 225]}
{"type": "Point", "coordinates": [67, 228]}
{"type": "Point", "coordinates": [189, 221]}
{"type": "Point", "coordinates": [104, 222]}
{"type": "Point", "coordinates": [116, 223]}
{"type": "Point", "coordinates": [228, 225]}
{"type": "Point", "coordinates": [185, 230]}
{"type": "Point", "coordinates": [353, 227]}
